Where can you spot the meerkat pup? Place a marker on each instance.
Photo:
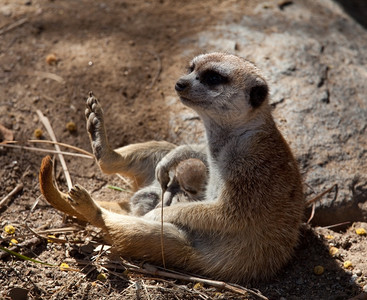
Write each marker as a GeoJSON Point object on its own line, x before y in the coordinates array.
{"type": "Point", "coordinates": [247, 226]}
{"type": "Point", "coordinates": [187, 184]}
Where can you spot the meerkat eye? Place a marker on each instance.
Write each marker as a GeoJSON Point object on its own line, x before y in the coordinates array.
{"type": "Point", "coordinates": [213, 78]}
{"type": "Point", "coordinates": [190, 191]}
{"type": "Point", "coordinates": [191, 68]}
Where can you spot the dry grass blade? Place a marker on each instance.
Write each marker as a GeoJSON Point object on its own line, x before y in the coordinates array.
{"type": "Point", "coordinates": [162, 240]}
{"type": "Point", "coordinates": [312, 213]}
{"type": "Point", "coordinates": [47, 231]}
{"type": "Point", "coordinates": [21, 256]}
{"type": "Point", "coordinates": [49, 76]}
{"type": "Point", "coordinates": [124, 180]}
{"type": "Point", "coordinates": [50, 131]}
{"type": "Point", "coordinates": [337, 225]}
{"type": "Point", "coordinates": [27, 243]}
{"type": "Point", "coordinates": [319, 196]}
{"type": "Point", "coordinates": [64, 145]}
{"type": "Point", "coordinates": [16, 24]}
{"type": "Point", "coordinates": [84, 153]}
{"type": "Point", "coordinates": [9, 145]}
{"type": "Point", "coordinates": [9, 196]}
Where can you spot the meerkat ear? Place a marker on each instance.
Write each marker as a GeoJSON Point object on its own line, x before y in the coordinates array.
{"type": "Point", "coordinates": [258, 93]}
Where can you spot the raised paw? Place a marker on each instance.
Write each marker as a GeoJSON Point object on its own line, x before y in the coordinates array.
{"type": "Point", "coordinates": [82, 202]}
{"type": "Point", "coordinates": [95, 126]}
{"type": "Point", "coordinates": [79, 197]}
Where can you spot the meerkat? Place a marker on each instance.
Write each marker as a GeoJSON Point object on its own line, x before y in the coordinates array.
{"type": "Point", "coordinates": [247, 225]}
{"type": "Point", "coordinates": [187, 184]}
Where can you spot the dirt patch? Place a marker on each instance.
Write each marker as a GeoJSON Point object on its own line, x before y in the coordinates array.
{"type": "Point", "coordinates": [129, 53]}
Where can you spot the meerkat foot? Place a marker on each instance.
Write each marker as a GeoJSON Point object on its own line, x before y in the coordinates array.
{"type": "Point", "coordinates": [95, 127]}
{"type": "Point", "coordinates": [144, 201]}
{"type": "Point", "coordinates": [82, 202]}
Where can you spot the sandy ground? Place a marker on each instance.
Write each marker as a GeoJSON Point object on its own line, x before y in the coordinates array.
{"type": "Point", "coordinates": [129, 53]}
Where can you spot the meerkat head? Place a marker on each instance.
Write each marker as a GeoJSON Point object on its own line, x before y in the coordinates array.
{"type": "Point", "coordinates": [223, 87]}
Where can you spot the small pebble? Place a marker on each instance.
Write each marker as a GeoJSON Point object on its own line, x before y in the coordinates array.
{"type": "Point", "coordinates": [358, 272]}
{"type": "Point", "coordinates": [64, 267]}
{"type": "Point", "coordinates": [361, 231]}
{"type": "Point", "coordinates": [348, 264]}
{"type": "Point", "coordinates": [333, 251]}
{"type": "Point", "coordinates": [102, 277]}
{"type": "Point", "coordinates": [353, 279]}
{"type": "Point", "coordinates": [9, 229]}
{"type": "Point", "coordinates": [319, 270]}
{"type": "Point", "coordinates": [365, 288]}
{"type": "Point", "coordinates": [71, 127]}
{"type": "Point", "coordinates": [51, 59]}
{"type": "Point", "coordinates": [38, 133]}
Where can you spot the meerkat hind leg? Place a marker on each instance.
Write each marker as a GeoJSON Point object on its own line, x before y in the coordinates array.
{"type": "Point", "coordinates": [136, 237]}
{"type": "Point", "coordinates": [136, 161]}
{"type": "Point", "coordinates": [96, 130]}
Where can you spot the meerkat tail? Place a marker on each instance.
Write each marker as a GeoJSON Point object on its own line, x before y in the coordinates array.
{"type": "Point", "coordinates": [51, 193]}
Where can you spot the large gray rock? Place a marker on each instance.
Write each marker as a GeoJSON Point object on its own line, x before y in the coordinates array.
{"type": "Point", "coordinates": [314, 56]}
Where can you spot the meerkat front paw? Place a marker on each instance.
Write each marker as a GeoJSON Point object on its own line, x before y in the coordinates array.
{"type": "Point", "coordinates": [162, 174]}
{"type": "Point", "coordinates": [82, 202]}
{"type": "Point", "coordinates": [95, 126]}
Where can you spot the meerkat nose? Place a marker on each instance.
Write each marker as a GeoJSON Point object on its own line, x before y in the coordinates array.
{"type": "Point", "coordinates": [181, 85]}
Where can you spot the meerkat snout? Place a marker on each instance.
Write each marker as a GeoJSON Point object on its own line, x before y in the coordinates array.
{"type": "Point", "coordinates": [181, 85]}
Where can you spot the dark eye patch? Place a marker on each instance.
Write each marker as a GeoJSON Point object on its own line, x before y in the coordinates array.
{"type": "Point", "coordinates": [211, 77]}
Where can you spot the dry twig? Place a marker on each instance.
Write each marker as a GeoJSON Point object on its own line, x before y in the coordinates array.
{"type": "Point", "coordinates": [152, 270]}
{"type": "Point", "coordinates": [16, 24]}
{"type": "Point", "coordinates": [5, 201]}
